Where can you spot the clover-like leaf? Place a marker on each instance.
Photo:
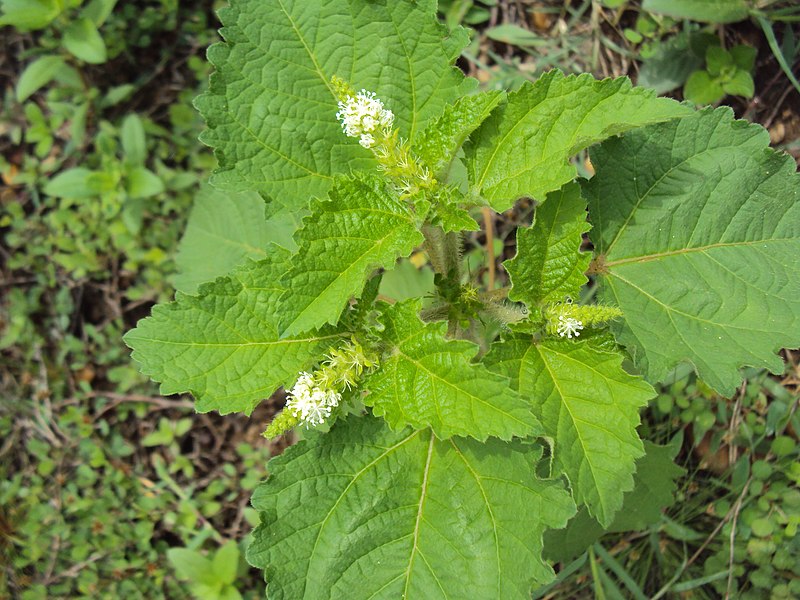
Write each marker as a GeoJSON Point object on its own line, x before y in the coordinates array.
{"type": "Point", "coordinates": [549, 265]}
{"type": "Point", "coordinates": [697, 228]}
{"type": "Point", "coordinates": [362, 226]}
{"type": "Point", "coordinates": [588, 405]}
{"type": "Point", "coordinates": [367, 512]}
{"type": "Point", "coordinates": [271, 107]}
{"type": "Point", "coordinates": [524, 147]}
{"type": "Point", "coordinates": [425, 380]}
{"type": "Point", "coordinates": [222, 345]}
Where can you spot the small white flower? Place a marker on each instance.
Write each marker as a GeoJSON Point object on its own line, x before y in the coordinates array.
{"type": "Point", "coordinates": [362, 115]}
{"type": "Point", "coordinates": [310, 403]}
{"type": "Point", "coordinates": [568, 327]}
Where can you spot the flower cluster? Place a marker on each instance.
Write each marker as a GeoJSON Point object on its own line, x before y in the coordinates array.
{"type": "Point", "coordinates": [364, 116]}
{"type": "Point", "coordinates": [568, 327]}
{"type": "Point", "coordinates": [568, 320]}
{"type": "Point", "coordinates": [310, 403]}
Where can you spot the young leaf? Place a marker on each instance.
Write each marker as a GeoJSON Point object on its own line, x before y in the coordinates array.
{"type": "Point", "coordinates": [271, 110]}
{"type": "Point", "coordinates": [362, 226]}
{"type": "Point", "coordinates": [439, 143]}
{"type": "Point", "coordinates": [426, 380]}
{"type": "Point", "coordinates": [549, 265]}
{"type": "Point", "coordinates": [224, 230]}
{"type": "Point", "coordinates": [134, 142]}
{"type": "Point", "coordinates": [589, 406]}
{"type": "Point", "coordinates": [83, 40]}
{"type": "Point", "coordinates": [37, 74]}
{"type": "Point", "coordinates": [366, 512]}
{"type": "Point", "coordinates": [697, 224]}
{"type": "Point", "coordinates": [223, 345]}
{"type": "Point", "coordinates": [524, 147]}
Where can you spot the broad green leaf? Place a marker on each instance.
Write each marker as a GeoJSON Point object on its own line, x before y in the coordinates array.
{"type": "Point", "coordinates": [425, 380]}
{"type": "Point", "coordinates": [226, 562]}
{"type": "Point", "coordinates": [27, 15]}
{"type": "Point", "coordinates": [362, 226]}
{"type": "Point", "coordinates": [711, 11]}
{"type": "Point", "coordinates": [697, 224]}
{"type": "Point", "coordinates": [406, 281]}
{"type": "Point", "coordinates": [524, 147]}
{"type": "Point", "coordinates": [192, 566]}
{"type": "Point", "coordinates": [83, 40]}
{"type": "Point", "coordinates": [224, 230]}
{"type": "Point", "coordinates": [134, 142]}
{"type": "Point", "coordinates": [366, 512]}
{"type": "Point", "coordinates": [271, 111]}
{"type": "Point", "coordinates": [441, 140]}
{"type": "Point", "coordinates": [653, 491]}
{"type": "Point", "coordinates": [223, 345]}
{"type": "Point", "coordinates": [37, 74]}
{"type": "Point", "coordinates": [549, 265]}
{"type": "Point", "coordinates": [72, 183]}
{"type": "Point", "coordinates": [589, 407]}
{"type": "Point", "coordinates": [143, 183]}
{"type": "Point", "coordinates": [701, 88]}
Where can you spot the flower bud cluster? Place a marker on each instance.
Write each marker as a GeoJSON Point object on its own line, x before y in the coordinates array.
{"type": "Point", "coordinates": [567, 320]}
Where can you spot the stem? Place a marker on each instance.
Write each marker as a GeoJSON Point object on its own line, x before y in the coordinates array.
{"type": "Point", "coordinates": [488, 225]}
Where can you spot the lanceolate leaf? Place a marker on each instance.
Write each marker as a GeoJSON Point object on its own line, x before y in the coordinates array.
{"type": "Point", "coordinates": [425, 380]}
{"type": "Point", "coordinates": [223, 345]}
{"type": "Point", "coordinates": [697, 224]}
{"type": "Point", "coordinates": [712, 11]}
{"type": "Point", "coordinates": [439, 143]}
{"type": "Point", "coordinates": [362, 226]}
{"type": "Point", "coordinates": [524, 147]}
{"type": "Point", "coordinates": [366, 512]}
{"type": "Point", "coordinates": [224, 230]}
{"type": "Point", "coordinates": [549, 265]}
{"type": "Point", "coordinates": [271, 109]}
{"type": "Point", "coordinates": [589, 406]}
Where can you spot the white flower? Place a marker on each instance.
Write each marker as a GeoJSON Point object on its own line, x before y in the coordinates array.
{"type": "Point", "coordinates": [362, 115]}
{"type": "Point", "coordinates": [310, 403]}
{"type": "Point", "coordinates": [568, 327]}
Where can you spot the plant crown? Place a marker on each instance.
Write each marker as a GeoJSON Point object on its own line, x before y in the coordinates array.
{"type": "Point", "coordinates": [422, 472]}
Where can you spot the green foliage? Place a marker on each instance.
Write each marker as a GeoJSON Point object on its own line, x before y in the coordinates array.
{"type": "Point", "coordinates": [390, 501]}
{"type": "Point", "coordinates": [727, 72]}
{"type": "Point", "coordinates": [209, 578]}
{"type": "Point", "coordinates": [712, 11]}
{"type": "Point", "coordinates": [692, 222]}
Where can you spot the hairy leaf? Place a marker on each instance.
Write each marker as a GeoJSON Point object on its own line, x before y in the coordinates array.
{"type": "Point", "coordinates": [524, 147]}
{"type": "Point", "coordinates": [366, 512]}
{"type": "Point", "coordinates": [653, 491]}
{"type": "Point", "coordinates": [425, 380]}
{"type": "Point", "coordinates": [362, 226]}
{"type": "Point", "coordinates": [697, 224]}
{"type": "Point", "coordinates": [589, 406]}
{"type": "Point", "coordinates": [439, 143]}
{"type": "Point", "coordinates": [224, 230]}
{"type": "Point", "coordinates": [223, 345]}
{"type": "Point", "coordinates": [549, 265]}
{"type": "Point", "coordinates": [271, 109]}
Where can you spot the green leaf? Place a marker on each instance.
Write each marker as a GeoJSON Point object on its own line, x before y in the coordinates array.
{"type": "Point", "coordinates": [271, 108]}
{"type": "Point", "coordinates": [365, 512]}
{"type": "Point", "coordinates": [223, 345]}
{"type": "Point", "coordinates": [143, 183]}
{"type": "Point", "coordinates": [362, 226]}
{"type": "Point", "coordinates": [524, 147]}
{"type": "Point", "coordinates": [406, 281]}
{"type": "Point", "coordinates": [425, 380]}
{"type": "Point", "coordinates": [549, 265]}
{"type": "Point", "coordinates": [515, 35]}
{"type": "Point", "coordinates": [73, 183]}
{"type": "Point", "coordinates": [589, 406]}
{"type": "Point", "coordinates": [28, 15]}
{"type": "Point", "coordinates": [38, 74]}
{"type": "Point", "coordinates": [654, 490]}
{"type": "Point", "coordinates": [192, 566]}
{"type": "Point", "coordinates": [83, 41]}
{"type": "Point", "coordinates": [740, 84]}
{"type": "Point", "coordinates": [710, 11]}
{"type": "Point", "coordinates": [134, 143]}
{"type": "Point", "coordinates": [697, 223]}
{"type": "Point", "coordinates": [224, 230]}
{"type": "Point", "coordinates": [701, 88]}
{"type": "Point", "coordinates": [97, 11]}
{"type": "Point", "coordinates": [226, 562]}
{"type": "Point", "coordinates": [441, 140]}
{"type": "Point", "coordinates": [744, 57]}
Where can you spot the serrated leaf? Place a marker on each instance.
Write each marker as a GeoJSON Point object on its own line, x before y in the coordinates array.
{"type": "Point", "coordinates": [224, 230]}
{"type": "Point", "coordinates": [549, 265]}
{"type": "Point", "coordinates": [271, 108]}
{"type": "Point", "coordinates": [365, 512]}
{"type": "Point", "coordinates": [223, 345]}
{"type": "Point", "coordinates": [524, 147]}
{"type": "Point", "coordinates": [588, 405]}
{"type": "Point", "coordinates": [711, 11]}
{"type": "Point", "coordinates": [441, 140]}
{"type": "Point", "coordinates": [362, 226]}
{"type": "Point", "coordinates": [698, 226]}
{"type": "Point", "coordinates": [653, 491]}
{"type": "Point", "coordinates": [425, 380]}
